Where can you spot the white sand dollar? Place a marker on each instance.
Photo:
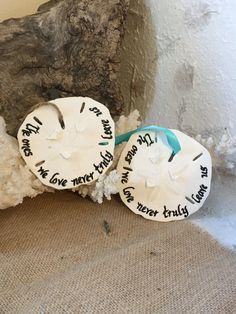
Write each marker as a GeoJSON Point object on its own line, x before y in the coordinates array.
{"type": "Point", "coordinates": [68, 142]}
{"type": "Point", "coordinates": [157, 185]}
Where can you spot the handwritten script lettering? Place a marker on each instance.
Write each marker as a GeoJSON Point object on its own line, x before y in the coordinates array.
{"type": "Point", "coordinates": [146, 210]}
{"type": "Point", "coordinates": [43, 172]}
{"type": "Point", "coordinates": [106, 160]}
{"type": "Point", "coordinates": [146, 139]}
{"type": "Point", "coordinates": [125, 177]}
{"type": "Point", "coordinates": [30, 129]}
{"type": "Point", "coordinates": [57, 181]}
{"type": "Point", "coordinates": [83, 179]}
{"type": "Point", "coordinates": [96, 111]}
{"type": "Point", "coordinates": [131, 153]}
{"type": "Point", "coordinates": [200, 194]}
{"type": "Point", "coordinates": [175, 213]}
{"type": "Point", "coordinates": [107, 130]}
{"type": "Point", "coordinates": [204, 171]}
{"type": "Point", "coordinates": [128, 194]}
{"type": "Point", "coordinates": [26, 147]}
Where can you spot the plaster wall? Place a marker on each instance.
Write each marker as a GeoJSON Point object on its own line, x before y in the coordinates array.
{"type": "Point", "coordinates": [196, 66]}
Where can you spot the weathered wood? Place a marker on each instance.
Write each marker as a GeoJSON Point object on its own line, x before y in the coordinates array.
{"type": "Point", "coordinates": [67, 48]}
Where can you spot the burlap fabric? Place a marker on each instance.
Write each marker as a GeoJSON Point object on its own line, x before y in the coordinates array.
{"type": "Point", "coordinates": [57, 258]}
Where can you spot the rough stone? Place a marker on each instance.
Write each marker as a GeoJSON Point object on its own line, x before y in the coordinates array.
{"type": "Point", "coordinates": [67, 48]}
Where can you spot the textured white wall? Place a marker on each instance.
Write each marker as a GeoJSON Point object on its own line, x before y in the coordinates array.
{"type": "Point", "coordinates": [180, 57]}
{"type": "Point", "coordinates": [196, 68]}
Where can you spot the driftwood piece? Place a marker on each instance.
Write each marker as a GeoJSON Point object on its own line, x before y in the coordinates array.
{"type": "Point", "coordinates": [68, 48]}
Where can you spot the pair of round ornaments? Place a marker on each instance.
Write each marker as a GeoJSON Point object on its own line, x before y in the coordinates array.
{"type": "Point", "coordinates": [70, 142]}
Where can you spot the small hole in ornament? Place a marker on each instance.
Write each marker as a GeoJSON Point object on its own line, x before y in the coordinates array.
{"type": "Point", "coordinates": [198, 156]}
{"type": "Point", "coordinates": [156, 139]}
{"type": "Point", "coordinates": [40, 163]}
{"type": "Point", "coordinates": [82, 108]}
{"type": "Point", "coordinates": [38, 121]}
{"type": "Point", "coordinates": [171, 157]}
{"type": "Point", "coordinates": [62, 123]}
{"type": "Point", "coordinates": [103, 143]}
{"type": "Point", "coordinates": [60, 116]}
{"type": "Point", "coordinates": [189, 200]}
{"type": "Point", "coordinates": [127, 168]}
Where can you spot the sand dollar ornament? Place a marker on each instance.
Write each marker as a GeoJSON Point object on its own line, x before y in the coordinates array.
{"type": "Point", "coordinates": [68, 141]}
{"type": "Point", "coordinates": [165, 174]}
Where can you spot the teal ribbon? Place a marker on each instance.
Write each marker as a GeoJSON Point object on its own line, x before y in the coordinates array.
{"type": "Point", "coordinates": [171, 137]}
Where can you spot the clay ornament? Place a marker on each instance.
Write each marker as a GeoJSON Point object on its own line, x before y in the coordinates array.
{"type": "Point", "coordinates": [68, 142]}
{"type": "Point", "coordinates": [165, 175]}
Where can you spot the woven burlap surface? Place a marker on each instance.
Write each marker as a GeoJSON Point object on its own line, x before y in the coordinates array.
{"type": "Point", "coordinates": [56, 257]}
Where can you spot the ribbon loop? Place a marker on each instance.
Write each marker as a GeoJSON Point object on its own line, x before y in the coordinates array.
{"type": "Point", "coordinates": [171, 137]}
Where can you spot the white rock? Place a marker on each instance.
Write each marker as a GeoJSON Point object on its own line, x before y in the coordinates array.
{"type": "Point", "coordinates": [223, 152]}
{"type": "Point", "coordinates": [16, 180]}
